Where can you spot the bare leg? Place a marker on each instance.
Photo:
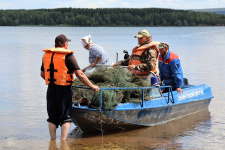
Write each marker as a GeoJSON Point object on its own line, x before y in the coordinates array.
{"type": "Point", "coordinates": [64, 130]}
{"type": "Point", "coordinates": [52, 130]}
{"type": "Point", "coordinates": [64, 145]}
{"type": "Point", "coordinates": [52, 145]}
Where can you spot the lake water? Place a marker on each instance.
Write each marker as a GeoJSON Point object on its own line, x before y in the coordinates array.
{"type": "Point", "coordinates": [23, 113]}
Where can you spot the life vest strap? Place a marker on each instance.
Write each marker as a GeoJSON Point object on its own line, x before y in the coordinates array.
{"type": "Point", "coordinates": [52, 80]}
{"type": "Point", "coordinates": [136, 57]}
{"type": "Point", "coordinates": [71, 76]}
{"type": "Point", "coordinates": [52, 70]}
{"type": "Point", "coordinates": [69, 72]}
{"type": "Point", "coordinates": [142, 74]}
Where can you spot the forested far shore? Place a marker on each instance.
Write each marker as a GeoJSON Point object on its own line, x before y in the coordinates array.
{"type": "Point", "coordinates": [109, 17]}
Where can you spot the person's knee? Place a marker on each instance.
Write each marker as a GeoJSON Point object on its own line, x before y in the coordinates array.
{"type": "Point", "coordinates": [53, 121]}
{"type": "Point", "coordinates": [66, 121]}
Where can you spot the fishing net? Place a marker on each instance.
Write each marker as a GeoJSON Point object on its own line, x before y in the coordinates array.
{"type": "Point", "coordinates": [111, 77]}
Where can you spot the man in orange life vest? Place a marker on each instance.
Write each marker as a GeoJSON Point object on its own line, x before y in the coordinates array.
{"type": "Point", "coordinates": [144, 57]}
{"type": "Point", "coordinates": [58, 68]}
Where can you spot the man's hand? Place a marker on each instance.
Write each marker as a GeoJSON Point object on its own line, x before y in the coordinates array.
{"type": "Point", "coordinates": [83, 70]}
{"type": "Point", "coordinates": [131, 66]}
{"type": "Point", "coordinates": [84, 79]}
{"type": "Point", "coordinates": [179, 90]}
{"type": "Point", "coordinates": [92, 65]}
{"type": "Point", "coordinates": [95, 88]}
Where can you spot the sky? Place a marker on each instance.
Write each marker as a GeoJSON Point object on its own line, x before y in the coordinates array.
{"type": "Point", "coordinates": [173, 4]}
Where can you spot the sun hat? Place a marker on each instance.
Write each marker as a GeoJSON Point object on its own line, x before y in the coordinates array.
{"type": "Point", "coordinates": [86, 40]}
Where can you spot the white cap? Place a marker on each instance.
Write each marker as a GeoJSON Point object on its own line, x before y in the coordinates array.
{"type": "Point", "coordinates": [86, 40]}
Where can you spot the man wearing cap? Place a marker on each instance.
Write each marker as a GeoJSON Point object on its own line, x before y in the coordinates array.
{"type": "Point", "coordinates": [144, 57]}
{"type": "Point", "coordinates": [170, 70]}
{"type": "Point", "coordinates": [97, 55]}
{"type": "Point", "coordinates": [58, 68]}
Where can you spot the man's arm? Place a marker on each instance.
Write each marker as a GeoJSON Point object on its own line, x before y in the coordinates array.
{"type": "Point", "coordinates": [97, 59]}
{"type": "Point", "coordinates": [160, 72]}
{"type": "Point", "coordinates": [177, 74]}
{"type": "Point", "coordinates": [43, 74]}
{"type": "Point", "coordinates": [71, 64]}
{"type": "Point", "coordinates": [124, 62]}
{"type": "Point", "coordinates": [83, 78]}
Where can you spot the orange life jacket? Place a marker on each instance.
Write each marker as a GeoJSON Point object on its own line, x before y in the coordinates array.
{"type": "Point", "coordinates": [55, 67]}
{"type": "Point", "coordinates": [135, 59]}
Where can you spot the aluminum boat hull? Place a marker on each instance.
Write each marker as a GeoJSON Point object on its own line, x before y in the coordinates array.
{"type": "Point", "coordinates": [149, 113]}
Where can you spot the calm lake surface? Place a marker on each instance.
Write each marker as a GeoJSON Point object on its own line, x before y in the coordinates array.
{"type": "Point", "coordinates": [23, 113]}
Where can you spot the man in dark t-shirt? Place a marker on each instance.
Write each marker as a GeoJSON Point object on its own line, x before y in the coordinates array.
{"type": "Point", "coordinates": [57, 76]}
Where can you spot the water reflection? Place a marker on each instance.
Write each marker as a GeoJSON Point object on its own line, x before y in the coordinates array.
{"type": "Point", "coordinates": [63, 145]}
{"type": "Point", "coordinates": [167, 135]}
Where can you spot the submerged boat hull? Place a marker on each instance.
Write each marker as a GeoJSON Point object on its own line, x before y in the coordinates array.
{"type": "Point", "coordinates": [150, 113]}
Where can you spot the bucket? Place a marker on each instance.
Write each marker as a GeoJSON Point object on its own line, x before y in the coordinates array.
{"type": "Point", "coordinates": [154, 81]}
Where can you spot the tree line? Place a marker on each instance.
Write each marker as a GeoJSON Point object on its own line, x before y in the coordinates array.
{"type": "Point", "coordinates": [109, 17]}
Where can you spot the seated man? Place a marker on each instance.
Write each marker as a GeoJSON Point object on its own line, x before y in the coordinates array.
{"type": "Point", "coordinates": [144, 57]}
{"type": "Point", "coordinates": [170, 71]}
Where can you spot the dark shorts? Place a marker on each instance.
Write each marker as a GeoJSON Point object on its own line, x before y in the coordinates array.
{"type": "Point", "coordinates": [59, 104]}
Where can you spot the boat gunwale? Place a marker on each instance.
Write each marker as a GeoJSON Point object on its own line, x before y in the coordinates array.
{"type": "Point", "coordinates": [103, 110]}
{"type": "Point", "coordinates": [164, 96]}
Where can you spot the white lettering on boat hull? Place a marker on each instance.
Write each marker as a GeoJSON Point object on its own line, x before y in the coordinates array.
{"type": "Point", "coordinates": [189, 95]}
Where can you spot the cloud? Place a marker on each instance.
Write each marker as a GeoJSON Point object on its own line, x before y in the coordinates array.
{"type": "Point", "coordinates": [112, 1]}
{"type": "Point", "coordinates": [126, 5]}
{"type": "Point", "coordinates": [6, 5]}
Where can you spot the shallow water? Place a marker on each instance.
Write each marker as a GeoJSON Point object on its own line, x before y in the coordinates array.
{"type": "Point", "coordinates": [23, 105]}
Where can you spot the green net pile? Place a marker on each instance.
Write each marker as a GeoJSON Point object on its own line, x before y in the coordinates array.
{"type": "Point", "coordinates": [110, 78]}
